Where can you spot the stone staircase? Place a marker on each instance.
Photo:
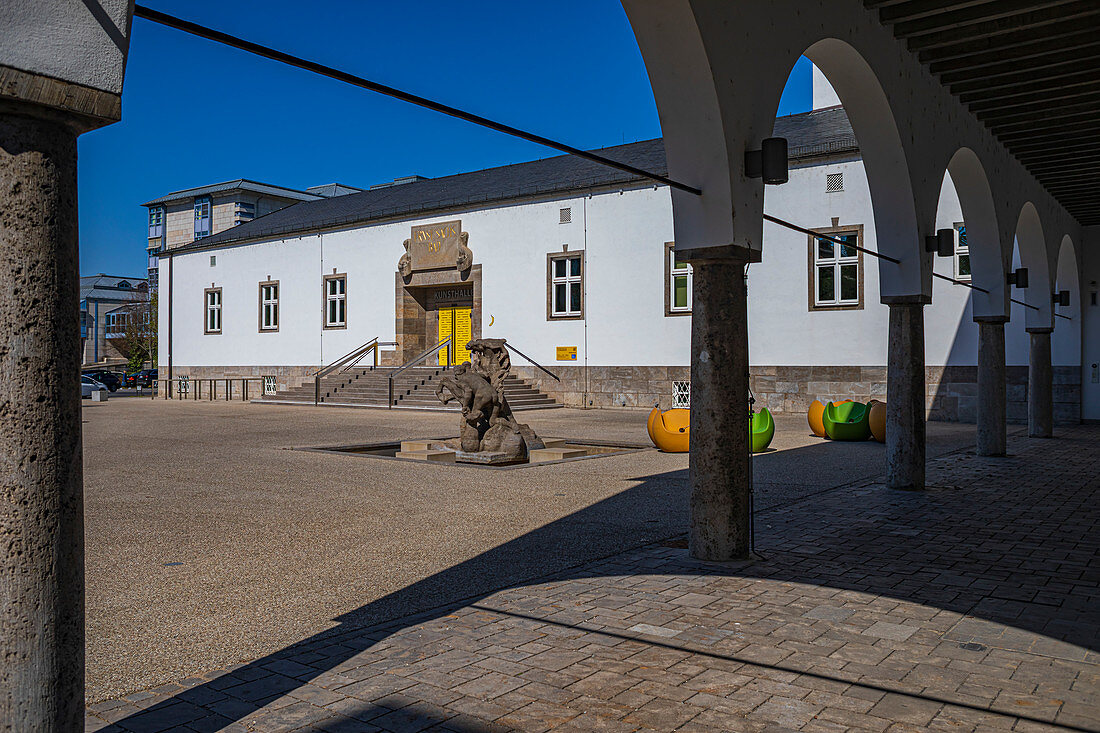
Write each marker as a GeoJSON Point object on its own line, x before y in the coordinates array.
{"type": "Point", "coordinates": [413, 389]}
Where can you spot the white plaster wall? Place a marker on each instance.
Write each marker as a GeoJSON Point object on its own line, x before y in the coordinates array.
{"type": "Point", "coordinates": [623, 236]}
{"type": "Point", "coordinates": [823, 93]}
{"type": "Point", "coordinates": [81, 42]}
{"type": "Point", "coordinates": [626, 282]}
{"type": "Point", "coordinates": [782, 329]}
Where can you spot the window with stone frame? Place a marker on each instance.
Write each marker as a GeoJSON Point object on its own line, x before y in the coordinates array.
{"type": "Point", "coordinates": [269, 306]}
{"type": "Point", "coordinates": [678, 283]}
{"type": "Point", "coordinates": [565, 285]}
{"type": "Point", "coordinates": [962, 254]}
{"type": "Point", "coordinates": [836, 269]}
{"type": "Point", "coordinates": [213, 315]}
{"type": "Point", "coordinates": [336, 301]}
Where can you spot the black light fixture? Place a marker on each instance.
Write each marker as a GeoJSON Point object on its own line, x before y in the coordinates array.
{"type": "Point", "coordinates": [769, 162]}
{"type": "Point", "coordinates": [1061, 297]}
{"type": "Point", "coordinates": [943, 243]}
{"type": "Point", "coordinates": [1018, 278]}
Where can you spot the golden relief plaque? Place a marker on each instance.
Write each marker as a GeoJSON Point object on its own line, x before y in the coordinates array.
{"type": "Point", "coordinates": [435, 247]}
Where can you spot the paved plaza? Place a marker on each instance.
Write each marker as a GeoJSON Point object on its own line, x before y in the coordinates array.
{"type": "Point", "coordinates": [341, 593]}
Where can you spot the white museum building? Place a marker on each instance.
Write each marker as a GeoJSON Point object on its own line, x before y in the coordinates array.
{"type": "Point", "coordinates": [573, 264]}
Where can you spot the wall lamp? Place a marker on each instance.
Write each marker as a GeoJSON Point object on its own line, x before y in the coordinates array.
{"type": "Point", "coordinates": [1061, 297]}
{"type": "Point", "coordinates": [769, 162]}
{"type": "Point", "coordinates": [943, 243]}
{"type": "Point", "coordinates": [1018, 278]}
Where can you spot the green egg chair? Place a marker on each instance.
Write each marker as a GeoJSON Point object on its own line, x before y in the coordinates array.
{"type": "Point", "coordinates": [762, 429]}
{"type": "Point", "coordinates": [846, 421]}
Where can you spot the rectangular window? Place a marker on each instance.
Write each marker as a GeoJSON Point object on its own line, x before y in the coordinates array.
{"type": "Point", "coordinates": [202, 217]}
{"type": "Point", "coordinates": [962, 254]}
{"type": "Point", "coordinates": [336, 301]}
{"type": "Point", "coordinates": [836, 279]}
{"type": "Point", "coordinates": [678, 277]}
{"type": "Point", "coordinates": [156, 222]}
{"type": "Point", "coordinates": [213, 322]}
{"type": "Point", "coordinates": [565, 285]}
{"type": "Point", "coordinates": [269, 306]}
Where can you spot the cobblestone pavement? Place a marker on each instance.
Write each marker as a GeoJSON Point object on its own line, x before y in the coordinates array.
{"type": "Point", "coordinates": [972, 606]}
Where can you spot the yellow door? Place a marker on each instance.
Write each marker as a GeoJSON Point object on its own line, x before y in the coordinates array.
{"type": "Point", "coordinates": [463, 334]}
{"type": "Point", "coordinates": [455, 322]}
{"type": "Point", "coordinates": [446, 328]}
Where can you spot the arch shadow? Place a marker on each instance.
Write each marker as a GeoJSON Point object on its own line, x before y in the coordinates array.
{"type": "Point", "coordinates": [927, 548]}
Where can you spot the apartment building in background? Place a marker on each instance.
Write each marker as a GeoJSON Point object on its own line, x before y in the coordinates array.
{"type": "Point", "coordinates": [182, 217]}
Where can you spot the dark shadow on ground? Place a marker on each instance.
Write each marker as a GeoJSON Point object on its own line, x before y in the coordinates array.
{"type": "Point", "coordinates": [1020, 555]}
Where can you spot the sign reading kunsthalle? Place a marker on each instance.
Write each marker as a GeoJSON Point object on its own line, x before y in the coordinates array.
{"type": "Point", "coordinates": [433, 246]}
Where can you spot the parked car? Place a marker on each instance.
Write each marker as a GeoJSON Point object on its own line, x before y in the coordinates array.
{"type": "Point", "coordinates": [89, 385]}
{"type": "Point", "coordinates": [144, 378]}
{"type": "Point", "coordinates": [108, 379]}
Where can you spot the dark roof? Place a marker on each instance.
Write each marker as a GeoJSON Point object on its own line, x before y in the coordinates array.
{"type": "Point", "coordinates": [242, 184]}
{"type": "Point", "coordinates": [106, 287]}
{"type": "Point", "coordinates": [820, 132]}
{"type": "Point", "coordinates": [332, 189]}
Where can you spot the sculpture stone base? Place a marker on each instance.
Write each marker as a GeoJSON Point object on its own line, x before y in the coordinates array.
{"type": "Point", "coordinates": [487, 458]}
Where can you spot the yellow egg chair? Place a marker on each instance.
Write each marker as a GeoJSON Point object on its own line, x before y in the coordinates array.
{"type": "Point", "coordinates": [815, 415]}
{"type": "Point", "coordinates": [670, 430]}
{"type": "Point", "coordinates": [876, 420]}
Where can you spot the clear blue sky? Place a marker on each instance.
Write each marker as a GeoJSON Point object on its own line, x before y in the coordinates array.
{"type": "Point", "coordinates": [195, 112]}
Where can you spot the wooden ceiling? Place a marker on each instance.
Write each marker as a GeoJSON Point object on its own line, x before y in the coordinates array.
{"type": "Point", "coordinates": [1029, 70]}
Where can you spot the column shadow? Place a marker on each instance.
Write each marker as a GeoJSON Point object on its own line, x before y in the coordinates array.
{"type": "Point", "coordinates": [1022, 555]}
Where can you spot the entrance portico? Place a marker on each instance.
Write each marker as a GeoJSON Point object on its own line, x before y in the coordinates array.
{"type": "Point", "coordinates": [438, 293]}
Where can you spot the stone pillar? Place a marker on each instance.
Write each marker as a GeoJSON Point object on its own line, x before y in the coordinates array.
{"type": "Point", "coordinates": [905, 394]}
{"type": "Point", "coordinates": [719, 458]}
{"type": "Point", "coordinates": [41, 505]}
{"type": "Point", "coordinates": [992, 396]}
{"type": "Point", "coordinates": [1040, 386]}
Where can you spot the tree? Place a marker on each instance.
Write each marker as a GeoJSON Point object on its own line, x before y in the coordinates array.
{"type": "Point", "coordinates": [139, 340]}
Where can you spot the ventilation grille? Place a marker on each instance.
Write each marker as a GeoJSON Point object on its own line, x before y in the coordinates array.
{"type": "Point", "coordinates": [834, 182]}
{"type": "Point", "coordinates": [565, 215]}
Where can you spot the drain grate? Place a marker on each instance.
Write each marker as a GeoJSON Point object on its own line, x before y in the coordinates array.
{"type": "Point", "coordinates": [972, 646]}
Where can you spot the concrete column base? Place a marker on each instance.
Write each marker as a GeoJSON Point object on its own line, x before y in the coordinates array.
{"type": "Point", "coordinates": [42, 510]}
{"type": "Point", "coordinates": [1040, 386]}
{"type": "Point", "coordinates": [719, 460]}
{"type": "Point", "coordinates": [992, 390]}
{"type": "Point", "coordinates": [905, 396]}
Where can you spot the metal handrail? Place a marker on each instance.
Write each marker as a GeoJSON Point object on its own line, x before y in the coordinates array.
{"type": "Point", "coordinates": [357, 351]}
{"type": "Point", "coordinates": [191, 387]}
{"type": "Point", "coordinates": [510, 347]}
{"type": "Point", "coordinates": [416, 360]}
{"type": "Point", "coordinates": [347, 361]}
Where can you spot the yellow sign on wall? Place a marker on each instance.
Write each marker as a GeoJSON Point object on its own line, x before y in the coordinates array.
{"type": "Point", "coordinates": [567, 353]}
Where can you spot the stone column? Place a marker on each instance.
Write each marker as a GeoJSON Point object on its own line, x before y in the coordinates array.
{"type": "Point", "coordinates": [41, 505]}
{"type": "Point", "coordinates": [992, 396]}
{"type": "Point", "coordinates": [719, 458]}
{"type": "Point", "coordinates": [905, 394]}
{"type": "Point", "coordinates": [1040, 386]}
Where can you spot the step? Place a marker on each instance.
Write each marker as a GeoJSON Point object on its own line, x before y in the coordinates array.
{"type": "Point", "coordinates": [434, 456]}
